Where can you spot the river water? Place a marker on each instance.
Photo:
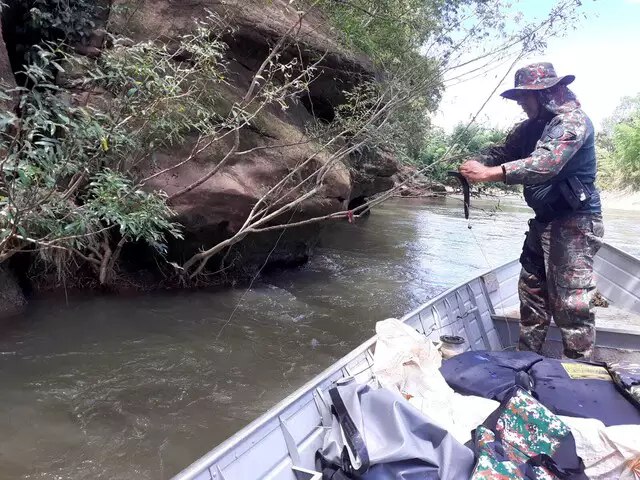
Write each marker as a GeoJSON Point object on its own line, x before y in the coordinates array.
{"type": "Point", "coordinates": [122, 387]}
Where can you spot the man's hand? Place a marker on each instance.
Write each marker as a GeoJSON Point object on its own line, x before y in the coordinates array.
{"type": "Point", "coordinates": [476, 172]}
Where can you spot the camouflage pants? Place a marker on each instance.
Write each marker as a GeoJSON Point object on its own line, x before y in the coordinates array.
{"type": "Point", "coordinates": [557, 281]}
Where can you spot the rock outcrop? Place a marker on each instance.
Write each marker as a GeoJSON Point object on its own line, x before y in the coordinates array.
{"type": "Point", "coordinates": [411, 183]}
{"type": "Point", "coordinates": [6, 72]}
{"type": "Point", "coordinates": [217, 208]}
{"type": "Point", "coordinates": [12, 300]}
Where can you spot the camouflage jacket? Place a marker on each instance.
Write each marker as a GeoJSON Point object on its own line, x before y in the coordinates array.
{"type": "Point", "coordinates": [539, 153]}
{"type": "Point", "coordinates": [528, 157]}
{"type": "Point", "coordinates": [520, 141]}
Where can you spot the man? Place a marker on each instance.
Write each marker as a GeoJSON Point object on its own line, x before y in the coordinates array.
{"type": "Point", "coordinates": [552, 154]}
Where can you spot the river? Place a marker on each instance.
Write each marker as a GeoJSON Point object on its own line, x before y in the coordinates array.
{"type": "Point", "coordinates": [123, 387]}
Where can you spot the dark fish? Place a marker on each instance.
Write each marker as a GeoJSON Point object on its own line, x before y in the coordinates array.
{"type": "Point", "coordinates": [465, 191]}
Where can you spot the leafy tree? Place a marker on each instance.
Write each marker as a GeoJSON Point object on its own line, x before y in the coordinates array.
{"type": "Point", "coordinates": [58, 193]}
{"type": "Point", "coordinates": [469, 141]}
{"type": "Point", "coordinates": [619, 147]}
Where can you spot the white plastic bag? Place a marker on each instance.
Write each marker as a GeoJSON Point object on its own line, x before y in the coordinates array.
{"type": "Point", "coordinates": [608, 452]}
{"type": "Point", "coordinates": [408, 362]}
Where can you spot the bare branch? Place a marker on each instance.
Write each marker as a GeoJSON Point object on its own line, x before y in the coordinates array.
{"type": "Point", "coordinates": [212, 172]}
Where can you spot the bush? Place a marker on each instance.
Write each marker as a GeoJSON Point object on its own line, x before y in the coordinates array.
{"type": "Point", "coordinates": [68, 188]}
{"type": "Point", "coordinates": [469, 143]}
{"type": "Point", "coordinates": [619, 147]}
{"type": "Point", "coordinates": [58, 192]}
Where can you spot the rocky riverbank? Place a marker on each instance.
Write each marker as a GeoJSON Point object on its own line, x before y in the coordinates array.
{"type": "Point", "coordinates": [275, 143]}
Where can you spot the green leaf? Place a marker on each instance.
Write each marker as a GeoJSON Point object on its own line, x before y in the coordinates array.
{"type": "Point", "coordinates": [57, 66]}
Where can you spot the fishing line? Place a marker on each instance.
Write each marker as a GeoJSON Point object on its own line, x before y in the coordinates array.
{"type": "Point", "coordinates": [235, 309]}
{"type": "Point", "coordinates": [469, 224]}
{"type": "Point", "coordinates": [419, 171]}
{"type": "Point", "coordinates": [486, 259]}
{"type": "Point", "coordinates": [447, 155]}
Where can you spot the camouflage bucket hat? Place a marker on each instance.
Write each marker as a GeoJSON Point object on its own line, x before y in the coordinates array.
{"type": "Point", "coordinates": [537, 76]}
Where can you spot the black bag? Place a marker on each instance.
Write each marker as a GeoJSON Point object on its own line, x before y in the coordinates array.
{"type": "Point", "coordinates": [487, 374]}
{"type": "Point", "coordinates": [574, 192]}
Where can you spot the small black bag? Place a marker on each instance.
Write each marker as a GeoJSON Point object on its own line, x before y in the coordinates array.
{"type": "Point", "coordinates": [574, 192]}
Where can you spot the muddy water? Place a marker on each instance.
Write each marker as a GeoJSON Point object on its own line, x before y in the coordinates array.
{"type": "Point", "coordinates": [120, 388]}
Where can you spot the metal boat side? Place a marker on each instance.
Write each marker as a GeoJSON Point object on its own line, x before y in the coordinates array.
{"type": "Point", "coordinates": [281, 444]}
{"type": "Point", "coordinates": [289, 434]}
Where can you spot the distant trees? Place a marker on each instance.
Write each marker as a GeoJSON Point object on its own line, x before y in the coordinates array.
{"type": "Point", "coordinates": [619, 147]}
{"type": "Point", "coordinates": [470, 141]}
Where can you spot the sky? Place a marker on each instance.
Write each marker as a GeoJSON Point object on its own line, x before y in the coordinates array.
{"type": "Point", "coordinates": [603, 52]}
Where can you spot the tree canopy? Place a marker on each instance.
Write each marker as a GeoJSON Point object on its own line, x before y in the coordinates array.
{"type": "Point", "coordinates": [619, 146]}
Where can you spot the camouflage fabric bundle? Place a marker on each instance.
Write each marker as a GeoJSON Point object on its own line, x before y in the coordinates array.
{"type": "Point", "coordinates": [627, 377]}
{"type": "Point", "coordinates": [524, 440]}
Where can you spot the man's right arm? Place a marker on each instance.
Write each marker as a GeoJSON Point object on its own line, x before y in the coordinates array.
{"type": "Point", "coordinates": [507, 152]}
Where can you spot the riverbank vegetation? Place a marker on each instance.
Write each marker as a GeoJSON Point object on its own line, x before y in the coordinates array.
{"type": "Point", "coordinates": [470, 142]}
{"type": "Point", "coordinates": [113, 135]}
{"type": "Point", "coordinates": [619, 147]}
{"type": "Point", "coordinates": [617, 144]}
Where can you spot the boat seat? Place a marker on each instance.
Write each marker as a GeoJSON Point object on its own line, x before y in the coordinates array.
{"type": "Point", "coordinates": [617, 334]}
{"type": "Point", "coordinates": [610, 317]}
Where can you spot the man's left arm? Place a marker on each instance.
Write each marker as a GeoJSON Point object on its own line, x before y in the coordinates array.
{"type": "Point", "coordinates": [559, 144]}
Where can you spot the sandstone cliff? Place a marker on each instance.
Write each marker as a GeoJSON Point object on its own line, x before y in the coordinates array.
{"type": "Point", "coordinates": [217, 208]}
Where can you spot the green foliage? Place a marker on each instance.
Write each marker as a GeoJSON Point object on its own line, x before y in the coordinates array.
{"type": "Point", "coordinates": [163, 96]}
{"type": "Point", "coordinates": [627, 143]}
{"type": "Point", "coordinates": [67, 20]}
{"type": "Point", "coordinates": [114, 200]}
{"type": "Point", "coordinates": [392, 32]}
{"type": "Point", "coordinates": [413, 41]}
{"type": "Point", "coordinates": [627, 109]}
{"type": "Point", "coordinates": [619, 147]}
{"type": "Point", "coordinates": [57, 139]}
{"type": "Point", "coordinates": [408, 127]}
{"type": "Point", "coordinates": [59, 186]}
{"type": "Point", "coordinates": [469, 142]}
{"type": "Point", "coordinates": [35, 23]}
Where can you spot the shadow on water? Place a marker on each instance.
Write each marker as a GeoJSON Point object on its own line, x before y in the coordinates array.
{"type": "Point", "coordinates": [140, 387]}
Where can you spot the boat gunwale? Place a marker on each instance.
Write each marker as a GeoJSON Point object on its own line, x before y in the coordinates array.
{"type": "Point", "coordinates": [621, 252]}
{"type": "Point", "coordinates": [218, 452]}
{"type": "Point", "coordinates": [224, 448]}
